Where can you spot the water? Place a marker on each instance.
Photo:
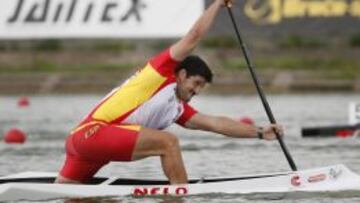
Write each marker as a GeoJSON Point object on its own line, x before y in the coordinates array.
{"type": "Point", "coordinates": [49, 118]}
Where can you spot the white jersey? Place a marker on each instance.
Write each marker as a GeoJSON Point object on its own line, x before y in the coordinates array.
{"type": "Point", "coordinates": [159, 112]}
{"type": "Point", "coordinates": [147, 99]}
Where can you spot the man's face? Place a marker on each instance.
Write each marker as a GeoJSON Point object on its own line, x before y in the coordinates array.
{"type": "Point", "coordinates": [187, 87]}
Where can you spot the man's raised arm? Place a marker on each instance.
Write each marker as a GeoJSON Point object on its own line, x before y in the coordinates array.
{"type": "Point", "coordinates": [187, 44]}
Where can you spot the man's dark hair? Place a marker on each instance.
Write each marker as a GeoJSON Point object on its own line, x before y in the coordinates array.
{"type": "Point", "coordinates": [194, 65]}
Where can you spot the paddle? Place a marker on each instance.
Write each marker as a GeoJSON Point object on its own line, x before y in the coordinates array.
{"type": "Point", "coordinates": [259, 89]}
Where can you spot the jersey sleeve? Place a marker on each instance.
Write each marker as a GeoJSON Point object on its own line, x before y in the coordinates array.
{"type": "Point", "coordinates": [164, 63]}
{"type": "Point", "coordinates": [186, 115]}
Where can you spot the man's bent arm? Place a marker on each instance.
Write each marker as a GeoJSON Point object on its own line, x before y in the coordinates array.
{"type": "Point", "coordinates": [181, 49]}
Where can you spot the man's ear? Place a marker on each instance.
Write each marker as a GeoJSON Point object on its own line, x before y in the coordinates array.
{"type": "Point", "coordinates": [182, 74]}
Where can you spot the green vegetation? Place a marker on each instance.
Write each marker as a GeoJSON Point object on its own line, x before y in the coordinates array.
{"type": "Point", "coordinates": [33, 45]}
{"type": "Point", "coordinates": [296, 41]}
{"type": "Point", "coordinates": [220, 42]}
{"type": "Point", "coordinates": [343, 68]}
{"type": "Point", "coordinates": [47, 66]}
{"type": "Point", "coordinates": [7, 46]}
{"type": "Point", "coordinates": [160, 45]}
{"type": "Point", "coordinates": [291, 53]}
{"type": "Point", "coordinates": [55, 45]}
{"type": "Point", "coordinates": [46, 45]}
{"type": "Point", "coordinates": [355, 40]}
{"type": "Point", "coordinates": [114, 46]}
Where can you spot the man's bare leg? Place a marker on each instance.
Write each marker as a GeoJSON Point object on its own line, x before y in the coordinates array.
{"type": "Point", "coordinates": [166, 145]}
{"type": "Point", "coordinates": [155, 143]}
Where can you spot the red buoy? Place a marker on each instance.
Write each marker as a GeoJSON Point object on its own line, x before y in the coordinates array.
{"type": "Point", "coordinates": [15, 136]}
{"type": "Point", "coordinates": [247, 120]}
{"type": "Point", "coordinates": [23, 101]}
{"type": "Point", "coordinates": [344, 133]}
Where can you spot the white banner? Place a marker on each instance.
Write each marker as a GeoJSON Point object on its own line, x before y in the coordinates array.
{"type": "Point", "coordinates": [29, 19]}
{"type": "Point", "coordinates": [354, 113]}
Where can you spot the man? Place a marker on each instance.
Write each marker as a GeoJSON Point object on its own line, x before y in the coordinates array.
{"type": "Point", "coordinates": [127, 124]}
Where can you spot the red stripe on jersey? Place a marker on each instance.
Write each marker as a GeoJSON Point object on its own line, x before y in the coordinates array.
{"type": "Point", "coordinates": [186, 115]}
{"type": "Point", "coordinates": [164, 63]}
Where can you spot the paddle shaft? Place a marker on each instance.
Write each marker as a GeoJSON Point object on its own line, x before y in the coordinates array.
{"type": "Point", "coordinates": [259, 90]}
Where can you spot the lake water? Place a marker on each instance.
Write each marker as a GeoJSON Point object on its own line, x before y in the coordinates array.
{"type": "Point", "coordinates": [49, 118]}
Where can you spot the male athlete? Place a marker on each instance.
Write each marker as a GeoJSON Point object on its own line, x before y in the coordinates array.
{"type": "Point", "coordinates": [127, 124]}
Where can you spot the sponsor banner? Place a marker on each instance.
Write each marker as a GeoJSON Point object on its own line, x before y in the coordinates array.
{"type": "Point", "coordinates": [278, 11]}
{"type": "Point", "coordinates": [28, 19]}
{"type": "Point", "coordinates": [263, 18]}
{"type": "Point", "coordinates": [354, 113]}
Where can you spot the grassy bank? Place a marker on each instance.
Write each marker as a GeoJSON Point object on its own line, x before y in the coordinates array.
{"type": "Point", "coordinates": [286, 62]}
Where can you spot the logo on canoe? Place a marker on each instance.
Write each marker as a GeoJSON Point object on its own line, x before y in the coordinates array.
{"type": "Point", "coordinates": [141, 191]}
{"type": "Point", "coordinates": [334, 174]}
{"type": "Point", "coordinates": [317, 178]}
{"type": "Point", "coordinates": [295, 181]}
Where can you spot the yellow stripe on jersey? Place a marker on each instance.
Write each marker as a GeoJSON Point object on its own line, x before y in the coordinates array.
{"type": "Point", "coordinates": [132, 94]}
{"type": "Point", "coordinates": [130, 127]}
{"type": "Point", "coordinates": [85, 125]}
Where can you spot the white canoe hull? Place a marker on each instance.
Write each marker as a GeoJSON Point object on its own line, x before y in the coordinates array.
{"type": "Point", "coordinates": [328, 179]}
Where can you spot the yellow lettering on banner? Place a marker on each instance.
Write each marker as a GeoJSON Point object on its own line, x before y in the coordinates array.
{"type": "Point", "coordinates": [294, 8]}
{"type": "Point", "coordinates": [355, 8]}
{"type": "Point", "coordinates": [318, 9]}
{"type": "Point", "coordinates": [276, 8]}
{"type": "Point", "coordinates": [268, 12]}
{"type": "Point", "coordinates": [274, 11]}
{"type": "Point", "coordinates": [339, 8]}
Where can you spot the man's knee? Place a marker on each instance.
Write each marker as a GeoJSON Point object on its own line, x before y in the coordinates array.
{"type": "Point", "coordinates": [171, 142]}
{"type": "Point", "coordinates": [155, 143]}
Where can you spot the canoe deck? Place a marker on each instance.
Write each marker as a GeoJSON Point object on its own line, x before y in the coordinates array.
{"type": "Point", "coordinates": [39, 186]}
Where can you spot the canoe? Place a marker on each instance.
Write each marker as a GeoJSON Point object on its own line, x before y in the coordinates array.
{"type": "Point", "coordinates": [40, 186]}
{"type": "Point", "coordinates": [330, 131]}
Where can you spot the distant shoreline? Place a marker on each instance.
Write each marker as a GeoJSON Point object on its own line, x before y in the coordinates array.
{"type": "Point", "coordinates": [100, 82]}
{"type": "Point", "coordinates": [96, 67]}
